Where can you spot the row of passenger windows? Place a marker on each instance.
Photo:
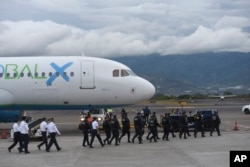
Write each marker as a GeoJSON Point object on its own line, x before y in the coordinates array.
{"type": "Point", "coordinates": [43, 74]}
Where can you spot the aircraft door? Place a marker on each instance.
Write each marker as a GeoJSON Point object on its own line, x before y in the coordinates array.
{"type": "Point", "coordinates": [87, 75]}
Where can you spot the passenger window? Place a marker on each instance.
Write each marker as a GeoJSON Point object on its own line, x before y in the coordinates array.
{"type": "Point", "coordinates": [116, 73]}
{"type": "Point", "coordinates": [22, 74]}
{"type": "Point", "coordinates": [15, 75]}
{"type": "Point", "coordinates": [29, 74]}
{"type": "Point", "coordinates": [64, 74]}
{"type": "Point", "coordinates": [50, 74]}
{"type": "Point", "coordinates": [124, 73]}
{"type": "Point", "coordinates": [1, 75]}
{"type": "Point", "coordinates": [36, 74]}
{"type": "Point", "coordinates": [72, 74]}
{"type": "Point", "coordinates": [43, 74]}
{"type": "Point", "coordinates": [7, 75]}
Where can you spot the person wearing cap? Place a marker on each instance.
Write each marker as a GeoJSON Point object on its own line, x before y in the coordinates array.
{"type": "Point", "coordinates": [95, 133]}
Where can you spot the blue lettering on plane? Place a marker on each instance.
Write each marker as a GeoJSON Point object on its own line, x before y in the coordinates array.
{"type": "Point", "coordinates": [60, 71]}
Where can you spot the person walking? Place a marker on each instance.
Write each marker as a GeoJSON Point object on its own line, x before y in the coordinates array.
{"type": "Point", "coordinates": [183, 125]}
{"type": "Point", "coordinates": [24, 130]}
{"type": "Point", "coordinates": [107, 129]}
{"type": "Point", "coordinates": [43, 128]}
{"type": "Point", "coordinates": [84, 126]}
{"type": "Point", "coordinates": [17, 136]}
{"type": "Point", "coordinates": [198, 124]}
{"type": "Point", "coordinates": [215, 124]}
{"type": "Point", "coordinates": [138, 128]}
{"type": "Point", "coordinates": [95, 133]}
{"type": "Point", "coordinates": [165, 121]}
{"type": "Point", "coordinates": [115, 127]}
{"type": "Point", "coordinates": [52, 130]}
{"type": "Point", "coordinates": [125, 127]}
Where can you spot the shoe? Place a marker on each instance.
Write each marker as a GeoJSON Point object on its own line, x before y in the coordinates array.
{"type": "Point", "coordinates": [27, 152]}
{"type": "Point", "coordinates": [129, 141]}
{"type": "Point", "coordinates": [38, 147]}
{"type": "Point", "coordinates": [84, 145]}
{"type": "Point", "coordinates": [9, 149]}
{"type": "Point", "coordinates": [59, 149]}
{"type": "Point", "coordinates": [103, 145]}
{"type": "Point", "coordinates": [47, 151]}
{"type": "Point", "coordinates": [91, 146]}
{"type": "Point", "coordinates": [19, 149]}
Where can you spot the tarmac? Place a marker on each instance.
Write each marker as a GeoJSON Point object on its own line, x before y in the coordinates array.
{"type": "Point", "coordinates": [192, 152]}
{"type": "Point", "coordinates": [209, 151]}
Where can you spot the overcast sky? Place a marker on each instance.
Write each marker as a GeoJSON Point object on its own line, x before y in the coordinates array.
{"type": "Point", "coordinates": [108, 28]}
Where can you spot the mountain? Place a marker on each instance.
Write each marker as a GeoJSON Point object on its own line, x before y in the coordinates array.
{"type": "Point", "coordinates": [194, 73]}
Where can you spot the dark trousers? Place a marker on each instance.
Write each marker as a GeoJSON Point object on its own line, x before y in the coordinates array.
{"type": "Point", "coordinates": [215, 126]}
{"type": "Point", "coordinates": [25, 142]}
{"type": "Point", "coordinates": [45, 141]}
{"type": "Point", "coordinates": [108, 136]}
{"type": "Point", "coordinates": [17, 139]}
{"type": "Point", "coordinates": [52, 141]}
{"type": "Point", "coordinates": [138, 133]}
{"type": "Point", "coordinates": [124, 132]}
{"type": "Point", "coordinates": [85, 138]}
{"type": "Point", "coordinates": [165, 132]}
{"type": "Point", "coordinates": [115, 135]}
{"type": "Point", "coordinates": [94, 134]}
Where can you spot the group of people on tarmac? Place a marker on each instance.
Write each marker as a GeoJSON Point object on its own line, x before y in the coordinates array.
{"type": "Point", "coordinates": [21, 135]}
{"type": "Point", "coordinates": [142, 120]}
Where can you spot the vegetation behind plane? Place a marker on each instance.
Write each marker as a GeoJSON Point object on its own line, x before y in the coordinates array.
{"type": "Point", "coordinates": [205, 73]}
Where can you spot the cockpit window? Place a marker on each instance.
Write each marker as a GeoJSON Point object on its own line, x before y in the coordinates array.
{"type": "Point", "coordinates": [116, 73]}
{"type": "Point", "coordinates": [124, 73]}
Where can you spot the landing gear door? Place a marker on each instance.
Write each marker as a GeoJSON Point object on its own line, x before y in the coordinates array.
{"type": "Point", "coordinates": [87, 75]}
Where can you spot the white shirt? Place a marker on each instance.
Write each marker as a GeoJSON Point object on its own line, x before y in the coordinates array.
{"type": "Point", "coordinates": [16, 127]}
{"type": "Point", "coordinates": [24, 128]}
{"type": "Point", "coordinates": [52, 128]}
{"type": "Point", "coordinates": [43, 126]}
{"type": "Point", "coordinates": [95, 125]}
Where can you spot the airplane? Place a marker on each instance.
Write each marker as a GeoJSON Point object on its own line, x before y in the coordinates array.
{"type": "Point", "coordinates": [222, 97]}
{"type": "Point", "coordinates": [68, 83]}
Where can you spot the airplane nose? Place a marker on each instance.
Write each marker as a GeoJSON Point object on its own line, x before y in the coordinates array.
{"type": "Point", "coordinates": [149, 90]}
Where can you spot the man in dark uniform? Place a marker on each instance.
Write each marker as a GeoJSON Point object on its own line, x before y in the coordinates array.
{"type": "Point", "coordinates": [215, 124]}
{"type": "Point", "coordinates": [115, 127]}
{"type": "Point", "coordinates": [152, 125]}
{"type": "Point", "coordinates": [166, 126]}
{"type": "Point", "coordinates": [107, 129]}
{"type": "Point", "coordinates": [198, 124]}
{"type": "Point", "coordinates": [125, 127]}
{"type": "Point", "coordinates": [138, 128]}
{"type": "Point", "coordinates": [183, 125]}
{"type": "Point", "coordinates": [84, 126]}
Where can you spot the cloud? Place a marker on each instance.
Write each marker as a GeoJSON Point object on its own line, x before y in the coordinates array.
{"type": "Point", "coordinates": [123, 28]}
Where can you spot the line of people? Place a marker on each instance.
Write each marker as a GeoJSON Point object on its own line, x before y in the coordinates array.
{"type": "Point", "coordinates": [21, 135]}
{"type": "Point", "coordinates": [111, 127]}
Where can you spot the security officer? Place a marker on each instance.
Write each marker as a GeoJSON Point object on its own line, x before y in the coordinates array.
{"type": "Point", "coordinates": [183, 125]}
{"type": "Point", "coordinates": [24, 129]}
{"type": "Point", "coordinates": [138, 128]}
{"type": "Point", "coordinates": [152, 125]}
{"type": "Point", "coordinates": [43, 128]}
{"type": "Point", "coordinates": [198, 124]}
{"type": "Point", "coordinates": [125, 127]}
{"type": "Point", "coordinates": [107, 129]}
{"type": "Point", "coordinates": [115, 127]}
{"type": "Point", "coordinates": [84, 126]}
{"type": "Point", "coordinates": [166, 126]}
{"type": "Point", "coordinates": [215, 123]}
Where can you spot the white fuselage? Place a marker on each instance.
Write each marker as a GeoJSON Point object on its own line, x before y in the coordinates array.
{"type": "Point", "coordinates": [68, 83]}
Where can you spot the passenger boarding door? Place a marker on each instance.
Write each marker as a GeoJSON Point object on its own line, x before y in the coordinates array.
{"type": "Point", "coordinates": [87, 75]}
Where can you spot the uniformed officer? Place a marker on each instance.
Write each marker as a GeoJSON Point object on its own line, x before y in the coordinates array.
{"type": "Point", "coordinates": [125, 127]}
{"type": "Point", "coordinates": [43, 128]}
{"type": "Point", "coordinates": [198, 124]}
{"type": "Point", "coordinates": [24, 130]}
{"type": "Point", "coordinates": [138, 128]}
{"type": "Point", "coordinates": [152, 125]}
{"type": "Point", "coordinates": [17, 136]}
{"type": "Point", "coordinates": [52, 130]}
{"type": "Point", "coordinates": [183, 125]}
{"type": "Point", "coordinates": [107, 129]}
{"type": "Point", "coordinates": [95, 133]}
{"type": "Point", "coordinates": [84, 126]}
{"type": "Point", "coordinates": [115, 127]}
{"type": "Point", "coordinates": [166, 126]}
{"type": "Point", "coordinates": [215, 124]}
